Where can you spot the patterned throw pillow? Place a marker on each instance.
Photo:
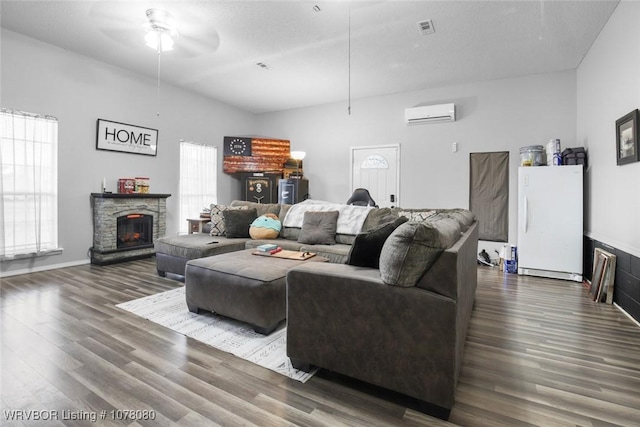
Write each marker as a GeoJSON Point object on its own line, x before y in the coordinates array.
{"type": "Point", "coordinates": [416, 215]}
{"type": "Point", "coordinates": [217, 218]}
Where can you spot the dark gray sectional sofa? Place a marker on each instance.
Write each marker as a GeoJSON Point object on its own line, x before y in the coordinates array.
{"type": "Point", "coordinates": [400, 325]}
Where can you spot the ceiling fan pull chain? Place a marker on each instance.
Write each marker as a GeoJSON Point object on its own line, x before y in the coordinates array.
{"type": "Point", "coordinates": [349, 79]}
{"type": "Point", "coordinates": [158, 86]}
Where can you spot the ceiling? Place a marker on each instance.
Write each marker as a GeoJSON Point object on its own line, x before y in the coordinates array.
{"type": "Point", "coordinates": [348, 50]}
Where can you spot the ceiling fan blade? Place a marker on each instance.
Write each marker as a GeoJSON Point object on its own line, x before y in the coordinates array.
{"type": "Point", "coordinates": [122, 22]}
{"type": "Point", "coordinates": [191, 47]}
{"type": "Point", "coordinates": [197, 37]}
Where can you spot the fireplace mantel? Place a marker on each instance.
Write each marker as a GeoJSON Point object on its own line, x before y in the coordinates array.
{"type": "Point", "coordinates": [107, 207]}
{"type": "Point", "coordinates": [129, 196]}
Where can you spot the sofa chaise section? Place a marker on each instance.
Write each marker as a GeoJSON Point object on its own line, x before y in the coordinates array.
{"type": "Point", "coordinates": [406, 339]}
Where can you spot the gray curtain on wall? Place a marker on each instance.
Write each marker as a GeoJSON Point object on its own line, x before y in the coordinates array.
{"type": "Point", "coordinates": [489, 194]}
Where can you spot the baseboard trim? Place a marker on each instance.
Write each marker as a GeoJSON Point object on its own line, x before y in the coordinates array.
{"type": "Point", "coordinates": [575, 277]}
{"type": "Point", "coordinates": [43, 268]}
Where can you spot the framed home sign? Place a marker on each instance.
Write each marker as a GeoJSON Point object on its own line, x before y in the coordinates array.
{"type": "Point", "coordinates": [627, 138]}
{"type": "Point", "coordinates": [115, 136]}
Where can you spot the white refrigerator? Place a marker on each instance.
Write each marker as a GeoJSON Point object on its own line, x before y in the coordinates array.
{"type": "Point", "coordinates": [550, 221]}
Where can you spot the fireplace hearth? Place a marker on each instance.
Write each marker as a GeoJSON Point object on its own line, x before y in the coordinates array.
{"type": "Point", "coordinates": [126, 225]}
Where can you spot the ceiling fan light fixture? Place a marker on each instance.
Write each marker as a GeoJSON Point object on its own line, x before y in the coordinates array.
{"type": "Point", "coordinates": [161, 30]}
{"type": "Point", "coordinates": [159, 41]}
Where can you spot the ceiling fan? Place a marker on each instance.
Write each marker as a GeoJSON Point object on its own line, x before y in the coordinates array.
{"type": "Point", "coordinates": [127, 23]}
{"type": "Point", "coordinates": [161, 30]}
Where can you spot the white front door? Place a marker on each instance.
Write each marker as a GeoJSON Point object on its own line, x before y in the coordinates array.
{"type": "Point", "coordinates": [377, 169]}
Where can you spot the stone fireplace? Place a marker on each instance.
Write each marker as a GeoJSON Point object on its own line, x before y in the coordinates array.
{"type": "Point", "coordinates": [126, 225]}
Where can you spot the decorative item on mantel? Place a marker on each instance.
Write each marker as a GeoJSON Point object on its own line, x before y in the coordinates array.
{"type": "Point", "coordinates": [126, 185]}
{"type": "Point", "coordinates": [142, 185]}
{"type": "Point", "coordinates": [254, 154]}
{"type": "Point", "coordinates": [133, 185]}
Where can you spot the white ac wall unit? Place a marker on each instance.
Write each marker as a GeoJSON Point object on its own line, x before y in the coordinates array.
{"type": "Point", "coordinates": [430, 114]}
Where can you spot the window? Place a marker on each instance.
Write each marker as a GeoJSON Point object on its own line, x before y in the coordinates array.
{"type": "Point", "coordinates": [29, 186]}
{"type": "Point", "coordinates": [375, 161]}
{"type": "Point", "coordinates": [198, 177]}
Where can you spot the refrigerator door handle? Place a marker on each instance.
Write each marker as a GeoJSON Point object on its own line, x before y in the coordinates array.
{"type": "Point", "coordinates": [526, 214]}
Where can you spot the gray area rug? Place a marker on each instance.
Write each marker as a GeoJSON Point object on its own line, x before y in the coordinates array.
{"type": "Point", "coordinates": [169, 309]}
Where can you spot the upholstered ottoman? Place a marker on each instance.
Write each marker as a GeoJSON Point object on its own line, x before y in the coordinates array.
{"type": "Point", "coordinates": [245, 287]}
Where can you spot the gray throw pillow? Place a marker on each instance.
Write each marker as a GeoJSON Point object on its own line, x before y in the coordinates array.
{"type": "Point", "coordinates": [413, 248]}
{"type": "Point", "coordinates": [319, 228]}
{"type": "Point", "coordinates": [238, 221]}
{"type": "Point", "coordinates": [379, 217]}
{"type": "Point", "coordinates": [463, 216]}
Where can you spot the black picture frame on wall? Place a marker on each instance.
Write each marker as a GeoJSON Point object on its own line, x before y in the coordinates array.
{"type": "Point", "coordinates": [627, 138]}
{"type": "Point", "coordinates": [116, 136]}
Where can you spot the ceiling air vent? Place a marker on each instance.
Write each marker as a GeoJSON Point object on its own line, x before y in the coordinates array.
{"type": "Point", "coordinates": [426, 27]}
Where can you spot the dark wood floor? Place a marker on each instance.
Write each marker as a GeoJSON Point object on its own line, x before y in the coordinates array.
{"type": "Point", "coordinates": [538, 353]}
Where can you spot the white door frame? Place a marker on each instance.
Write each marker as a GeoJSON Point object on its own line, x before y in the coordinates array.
{"type": "Point", "coordinates": [373, 147]}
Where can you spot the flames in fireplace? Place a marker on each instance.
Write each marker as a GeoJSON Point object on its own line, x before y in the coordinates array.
{"type": "Point", "coordinates": [134, 230]}
{"type": "Point", "coordinates": [130, 237]}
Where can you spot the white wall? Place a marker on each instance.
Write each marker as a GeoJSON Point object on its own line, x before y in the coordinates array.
{"type": "Point", "coordinates": [39, 78]}
{"type": "Point", "coordinates": [608, 88]}
{"type": "Point", "coordinates": [499, 115]}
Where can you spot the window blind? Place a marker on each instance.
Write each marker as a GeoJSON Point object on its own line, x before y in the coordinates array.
{"type": "Point", "coordinates": [29, 202]}
{"type": "Point", "coordinates": [198, 180]}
